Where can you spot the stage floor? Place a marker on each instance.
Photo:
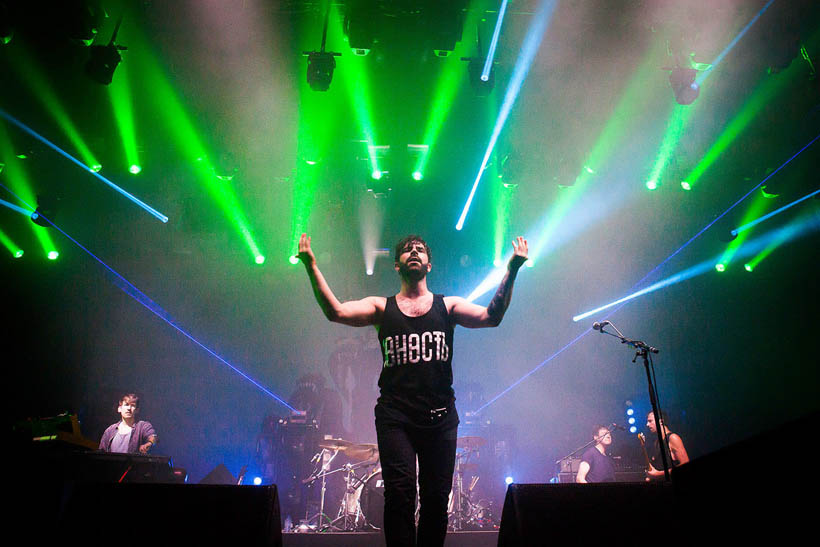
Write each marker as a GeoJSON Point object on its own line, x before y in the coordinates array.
{"type": "Point", "coordinates": [368, 539]}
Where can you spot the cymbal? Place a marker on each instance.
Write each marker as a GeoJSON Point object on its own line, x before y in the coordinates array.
{"type": "Point", "coordinates": [471, 442]}
{"type": "Point", "coordinates": [362, 452]}
{"type": "Point", "coordinates": [335, 444]}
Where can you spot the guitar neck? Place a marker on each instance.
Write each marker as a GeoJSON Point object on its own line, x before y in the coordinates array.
{"type": "Point", "coordinates": [643, 449]}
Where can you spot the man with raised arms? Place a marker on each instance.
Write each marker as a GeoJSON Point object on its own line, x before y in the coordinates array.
{"type": "Point", "coordinates": [415, 415]}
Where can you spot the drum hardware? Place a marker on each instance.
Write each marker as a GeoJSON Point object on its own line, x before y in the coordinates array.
{"type": "Point", "coordinates": [335, 444]}
{"type": "Point", "coordinates": [360, 452]}
{"type": "Point", "coordinates": [471, 443]}
{"type": "Point", "coordinates": [351, 516]}
{"type": "Point", "coordinates": [363, 452]}
{"type": "Point", "coordinates": [461, 510]}
{"type": "Point", "coordinates": [323, 458]}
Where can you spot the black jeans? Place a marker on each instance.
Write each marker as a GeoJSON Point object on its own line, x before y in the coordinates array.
{"type": "Point", "coordinates": [399, 444]}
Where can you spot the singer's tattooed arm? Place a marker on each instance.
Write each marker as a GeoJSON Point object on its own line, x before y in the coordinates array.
{"type": "Point", "coordinates": [474, 316]}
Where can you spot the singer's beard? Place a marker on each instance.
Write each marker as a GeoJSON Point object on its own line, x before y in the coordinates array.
{"type": "Point", "coordinates": [412, 275]}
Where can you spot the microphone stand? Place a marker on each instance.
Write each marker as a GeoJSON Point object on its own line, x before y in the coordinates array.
{"type": "Point", "coordinates": [609, 430]}
{"type": "Point", "coordinates": [643, 350]}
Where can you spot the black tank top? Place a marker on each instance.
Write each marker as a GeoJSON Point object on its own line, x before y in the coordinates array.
{"type": "Point", "coordinates": [657, 461]}
{"type": "Point", "coordinates": [416, 381]}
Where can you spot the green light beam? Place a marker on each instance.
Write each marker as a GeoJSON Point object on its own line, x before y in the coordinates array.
{"type": "Point", "coordinates": [28, 71]}
{"type": "Point", "coordinates": [502, 197]}
{"type": "Point", "coordinates": [450, 79]}
{"type": "Point", "coordinates": [766, 92]}
{"type": "Point", "coordinates": [353, 72]}
{"type": "Point", "coordinates": [795, 230]}
{"type": "Point", "coordinates": [782, 236]}
{"type": "Point", "coordinates": [192, 147]}
{"type": "Point", "coordinates": [754, 210]}
{"type": "Point", "coordinates": [674, 131]}
{"type": "Point", "coordinates": [20, 185]}
{"type": "Point", "coordinates": [10, 245]}
{"type": "Point", "coordinates": [119, 92]}
{"type": "Point", "coordinates": [633, 99]}
{"type": "Point", "coordinates": [318, 124]}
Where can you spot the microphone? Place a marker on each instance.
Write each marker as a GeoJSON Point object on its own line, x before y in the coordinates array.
{"type": "Point", "coordinates": [616, 426]}
{"type": "Point", "coordinates": [598, 326]}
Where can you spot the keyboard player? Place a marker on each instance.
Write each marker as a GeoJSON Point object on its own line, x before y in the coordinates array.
{"type": "Point", "coordinates": [129, 435]}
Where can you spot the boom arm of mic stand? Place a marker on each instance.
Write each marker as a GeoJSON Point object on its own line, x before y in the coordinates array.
{"type": "Point", "coordinates": [637, 344]}
{"type": "Point", "coordinates": [643, 350]}
{"type": "Point", "coordinates": [574, 452]}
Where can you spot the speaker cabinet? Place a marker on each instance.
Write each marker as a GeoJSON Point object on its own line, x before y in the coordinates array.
{"type": "Point", "coordinates": [564, 514]}
{"type": "Point", "coordinates": [170, 514]}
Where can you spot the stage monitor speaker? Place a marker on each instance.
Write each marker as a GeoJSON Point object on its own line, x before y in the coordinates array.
{"type": "Point", "coordinates": [757, 487]}
{"type": "Point", "coordinates": [581, 514]}
{"type": "Point", "coordinates": [170, 514]}
{"type": "Point", "coordinates": [219, 475]}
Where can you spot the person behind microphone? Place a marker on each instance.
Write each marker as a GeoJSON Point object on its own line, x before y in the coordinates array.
{"type": "Point", "coordinates": [596, 465]}
{"type": "Point", "coordinates": [676, 449]}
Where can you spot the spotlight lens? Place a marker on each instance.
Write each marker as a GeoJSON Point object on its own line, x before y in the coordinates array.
{"type": "Point", "coordinates": [630, 411]}
{"type": "Point", "coordinates": [257, 481]}
{"type": "Point", "coordinates": [376, 174]}
{"type": "Point", "coordinates": [633, 429]}
{"type": "Point", "coordinates": [18, 253]}
{"type": "Point", "coordinates": [497, 262]}
{"type": "Point", "coordinates": [748, 267]}
{"type": "Point", "coordinates": [417, 175]}
{"type": "Point", "coordinates": [530, 263]}
{"type": "Point", "coordinates": [369, 272]}
{"type": "Point", "coordinates": [52, 255]}
{"type": "Point", "coordinates": [294, 259]}
{"type": "Point", "coordinates": [135, 169]}
{"type": "Point", "coordinates": [720, 267]}
{"type": "Point", "coordinates": [508, 480]}
{"type": "Point", "coordinates": [652, 185]}
{"type": "Point", "coordinates": [589, 170]}
{"type": "Point", "coordinates": [260, 259]}
{"type": "Point", "coordinates": [95, 168]}
{"type": "Point", "coordinates": [685, 185]}
{"type": "Point", "coordinates": [631, 421]}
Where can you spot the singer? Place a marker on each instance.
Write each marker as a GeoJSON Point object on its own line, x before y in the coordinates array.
{"type": "Point", "coordinates": [415, 414]}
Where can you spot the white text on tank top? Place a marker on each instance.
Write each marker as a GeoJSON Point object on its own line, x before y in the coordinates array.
{"type": "Point", "coordinates": [401, 349]}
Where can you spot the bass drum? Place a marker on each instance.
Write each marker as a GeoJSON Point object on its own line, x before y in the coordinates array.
{"type": "Point", "coordinates": [372, 499]}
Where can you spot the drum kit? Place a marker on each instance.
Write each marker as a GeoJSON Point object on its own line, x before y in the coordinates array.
{"type": "Point", "coordinates": [462, 511]}
{"type": "Point", "coordinates": [362, 504]}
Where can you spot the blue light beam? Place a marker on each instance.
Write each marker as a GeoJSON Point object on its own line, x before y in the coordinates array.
{"type": "Point", "coordinates": [522, 66]}
{"type": "Point", "coordinates": [781, 235]}
{"type": "Point", "coordinates": [85, 167]}
{"type": "Point", "coordinates": [706, 73]}
{"type": "Point", "coordinates": [131, 290]}
{"type": "Point", "coordinates": [754, 223]}
{"type": "Point", "coordinates": [653, 270]}
{"type": "Point", "coordinates": [724, 213]}
{"type": "Point", "coordinates": [488, 64]}
{"type": "Point", "coordinates": [17, 208]}
{"type": "Point", "coordinates": [533, 371]}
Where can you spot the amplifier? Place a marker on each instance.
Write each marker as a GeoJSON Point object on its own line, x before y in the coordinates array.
{"type": "Point", "coordinates": [620, 476]}
{"type": "Point", "coordinates": [570, 465]}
